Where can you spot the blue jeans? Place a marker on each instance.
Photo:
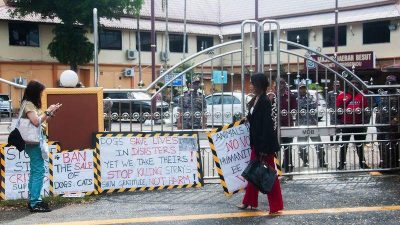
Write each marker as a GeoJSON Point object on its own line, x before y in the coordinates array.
{"type": "Point", "coordinates": [36, 173]}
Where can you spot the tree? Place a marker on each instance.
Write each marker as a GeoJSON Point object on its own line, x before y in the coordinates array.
{"type": "Point", "coordinates": [70, 44]}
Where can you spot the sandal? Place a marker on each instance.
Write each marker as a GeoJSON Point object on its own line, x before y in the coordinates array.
{"type": "Point", "coordinates": [244, 206]}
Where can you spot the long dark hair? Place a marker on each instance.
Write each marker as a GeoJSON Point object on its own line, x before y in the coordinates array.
{"type": "Point", "coordinates": [33, 93]}
{"type": "Point", "coordinates": [260, 83]}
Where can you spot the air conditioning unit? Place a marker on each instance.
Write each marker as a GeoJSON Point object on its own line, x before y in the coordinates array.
{"type": "Point", "coordinates": [129, 72]}
{"type": "Point", "coordinates": [164, 56]}
{"type": "Point", "coordinates": [131, 54]}
{"type": "Point", "coordinates": [20, 80]}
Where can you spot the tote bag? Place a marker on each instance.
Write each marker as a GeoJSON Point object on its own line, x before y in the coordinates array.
{"type": "Point", "coordinates": [261, 175]}
{"type": "Point", "coordinates": [28, 131]}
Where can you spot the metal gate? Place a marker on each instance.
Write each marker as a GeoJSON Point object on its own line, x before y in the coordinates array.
{"type": "Point", "coordinates": [314, 138]}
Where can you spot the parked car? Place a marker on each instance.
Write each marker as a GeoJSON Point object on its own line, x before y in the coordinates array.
{"type": "Point", "coordinates": [226, 105]}
{"type": "Point", "coordinates": [121, 107]}
{"type": "Point", "coordinates": [218, 101]}
{"type": "Point", "coordinates": [5, 105]}
{"type": "Point", "coordinates": [319, 98]}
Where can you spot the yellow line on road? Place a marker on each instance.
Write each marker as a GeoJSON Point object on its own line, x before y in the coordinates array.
{"type": "Point", "coordinates": [231, 215]}
{"type": "Point", "coordinates": [375, 173]}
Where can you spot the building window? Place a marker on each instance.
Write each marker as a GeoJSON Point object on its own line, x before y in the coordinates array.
{"type": "Point", "coordinates": [145, 41]}
{"type": "Point", "coordinates": [328, 36]}
{"type": "Point", "coordinates": [234, 37]}
{"type": "Point", "coordinates": [176, 43]}
{"type": "Point", "coordinates": [110, 39]}
{"type": "Point", "coordinates": [267, 41]}
{"type": "Point", "coordinates": [23, 34]}
{"type": "Point", "coordinates": [292, 36]}
{"type": "Point", "coordinates": [204, 42]}
{"type": "Point", "coordinates": [376, 32]}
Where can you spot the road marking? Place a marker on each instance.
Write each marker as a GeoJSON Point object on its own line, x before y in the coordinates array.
{"type": "Point", "coordinates": [231, 215]}
{"type": "Point", "coordinates": [375, 173]}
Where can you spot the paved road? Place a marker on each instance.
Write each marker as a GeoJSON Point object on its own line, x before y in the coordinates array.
{"type": "Point", "coordinates": [324, 199]}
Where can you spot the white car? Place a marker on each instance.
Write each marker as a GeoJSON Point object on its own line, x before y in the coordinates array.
{"type": "Point", "coordinates": [223, 104]}
{"type": "Point", "coordinates": [224, 107]}
{"type": "Point", "coordinates": [319, 98]}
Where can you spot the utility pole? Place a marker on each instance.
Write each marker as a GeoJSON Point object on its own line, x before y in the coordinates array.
{"type": "Point", "coordinates": [336, 27]}
{"type": "Point", "coordinates": [256, 49]}
{"type": "Point", "coordinates": [153, 44]}
{"type": "Point", "coordinates": [184, 31]}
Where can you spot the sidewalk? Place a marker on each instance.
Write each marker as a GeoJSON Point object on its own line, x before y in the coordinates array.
{"type": "Point", "coordinates": [348, 199]}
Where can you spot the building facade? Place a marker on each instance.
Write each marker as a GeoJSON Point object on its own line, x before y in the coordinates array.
{"type": "Point", "coordinates": [364, 26]}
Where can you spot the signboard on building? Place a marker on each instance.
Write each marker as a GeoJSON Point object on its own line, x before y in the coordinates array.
{"type": "Point", "coordinates": [220, 77]}
{"type": "Point", "coordinates": [360, 60]}
{"type": "Point", "coordinates": [180, 81]}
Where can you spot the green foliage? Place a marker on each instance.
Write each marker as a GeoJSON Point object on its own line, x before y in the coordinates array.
{"type": "Point", "coordinates": [189, 74]}
{"type": "Point", "coordinates": [314, 86]}
{"type": "Point", "coordinates": [80, 50]}
{"type": "Point", "coordinates": [70, 45]}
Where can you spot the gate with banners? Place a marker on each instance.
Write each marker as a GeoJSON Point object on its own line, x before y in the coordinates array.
{"type": "Point", "coordinates": [322, 129]}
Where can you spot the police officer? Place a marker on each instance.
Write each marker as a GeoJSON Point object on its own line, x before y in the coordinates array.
{"type": "Point", "coordinates": [331, 103]}
{"type": "Point", "coordinates": [387, 117]}
{"type": "Point", "coordinates": [194, 106]}
{"type": "Point", "coordinates": [288, 103]}
{"type": "Point", "coordinates": [308, 115]}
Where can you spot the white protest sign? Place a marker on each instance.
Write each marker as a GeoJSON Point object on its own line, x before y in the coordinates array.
{"type": "Point", "coordinates": [73, 171]}
{"type": "Point", "coordinates": [231, 146]}
{"type": "Point", "coordinates": [148, 161]}
{"type": "Point", "coordinates": [17, 171]}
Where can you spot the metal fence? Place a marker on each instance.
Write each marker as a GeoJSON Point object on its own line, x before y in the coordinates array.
{"type": "Point", "coordinates": [321, 134]}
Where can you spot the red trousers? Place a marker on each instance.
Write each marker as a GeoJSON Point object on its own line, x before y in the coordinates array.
{"type": "Point", "coordinates": [274, 197]}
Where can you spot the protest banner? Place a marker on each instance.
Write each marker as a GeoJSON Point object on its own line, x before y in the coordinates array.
{"type": "Point", "coordinates": [146, 161]}
{"type": "Point", "coordinates": [230, 146]}
{"type": "Point", "coordinates": [15, 173]}
{"type": "Point", "coordinates": [72, 172]}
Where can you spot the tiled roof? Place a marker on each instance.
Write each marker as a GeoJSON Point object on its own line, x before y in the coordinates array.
{"type": "Point", "coordinates": [244, 9]}
{"type": "Point", "coordinates": [382, 12]}
{"type": "Point", "coordinates": [173, 27]}
{"type": "Point", "coordinates": [225, 11]}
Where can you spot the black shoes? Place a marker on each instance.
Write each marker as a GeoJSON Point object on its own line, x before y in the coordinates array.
{"type": "Point", "coordinates": [341, 167]}
{"type": "Point", "coordinates": [40, 207]}
{"type": "Point", "coordinates": [364, 166]}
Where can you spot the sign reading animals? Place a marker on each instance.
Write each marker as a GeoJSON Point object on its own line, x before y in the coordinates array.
{"type": "Point", "coordinates": [73, 171]}
{"type": "Point", "coordinates": [230, 146]}
{"type": "Point", "coordinates": [148, 161]}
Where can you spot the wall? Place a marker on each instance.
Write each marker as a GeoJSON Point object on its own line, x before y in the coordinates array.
{"type": "Point", "coordinates": [35, 62]}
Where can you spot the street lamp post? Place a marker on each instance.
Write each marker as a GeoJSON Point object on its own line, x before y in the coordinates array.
{"type": "Point", "coordinates": [336, 26]}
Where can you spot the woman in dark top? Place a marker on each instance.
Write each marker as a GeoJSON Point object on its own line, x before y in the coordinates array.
{"type": "Point", "coordinates": [263, 141]}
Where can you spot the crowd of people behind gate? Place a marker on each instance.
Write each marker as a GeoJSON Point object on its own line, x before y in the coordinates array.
{"type": "Point", "coordinates": [346, 105]}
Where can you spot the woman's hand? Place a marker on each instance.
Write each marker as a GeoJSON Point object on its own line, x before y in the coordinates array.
{"type": "Point", "coordinates": [53, 108]}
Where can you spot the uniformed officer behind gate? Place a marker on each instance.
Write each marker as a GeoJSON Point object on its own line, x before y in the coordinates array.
{"type": "Point", "coordinates": [307, 116]}
{"type": "Point", "coordinates": [194, 107]}
{"type": "Point", "coordinates": [331, 103]}
{"type": "Point", "coordinates": [388, 119]}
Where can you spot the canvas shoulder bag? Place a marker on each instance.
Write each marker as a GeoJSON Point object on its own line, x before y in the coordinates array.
{"type": "Point", "coordinates": [28, 131]}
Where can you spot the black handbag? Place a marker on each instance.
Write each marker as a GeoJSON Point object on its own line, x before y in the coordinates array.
{"type": "Point", "coordinates": [16, 140]}
{"type": "Point", "coordinates": [260, 175]}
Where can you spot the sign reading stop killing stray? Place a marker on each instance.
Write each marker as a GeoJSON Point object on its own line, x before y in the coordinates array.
{"type": "Point", "coordinates": [230, 146]}
{"type": "Point", "coordinates": [149, 161]}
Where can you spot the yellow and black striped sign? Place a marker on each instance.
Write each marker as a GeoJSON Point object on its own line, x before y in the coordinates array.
{"type": "Point", "coordinates": [215, 155]}
{"type": "Point", "coordinates": [217, 160]}
{"type": "Point", "coordinates": [51, 167]}
{"type": "Point", "coordinates": [2, 172]}
{"type": "Point", "coordinates": [51, 177]}
{"type": "Point", "coordinates": [98, 166]}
